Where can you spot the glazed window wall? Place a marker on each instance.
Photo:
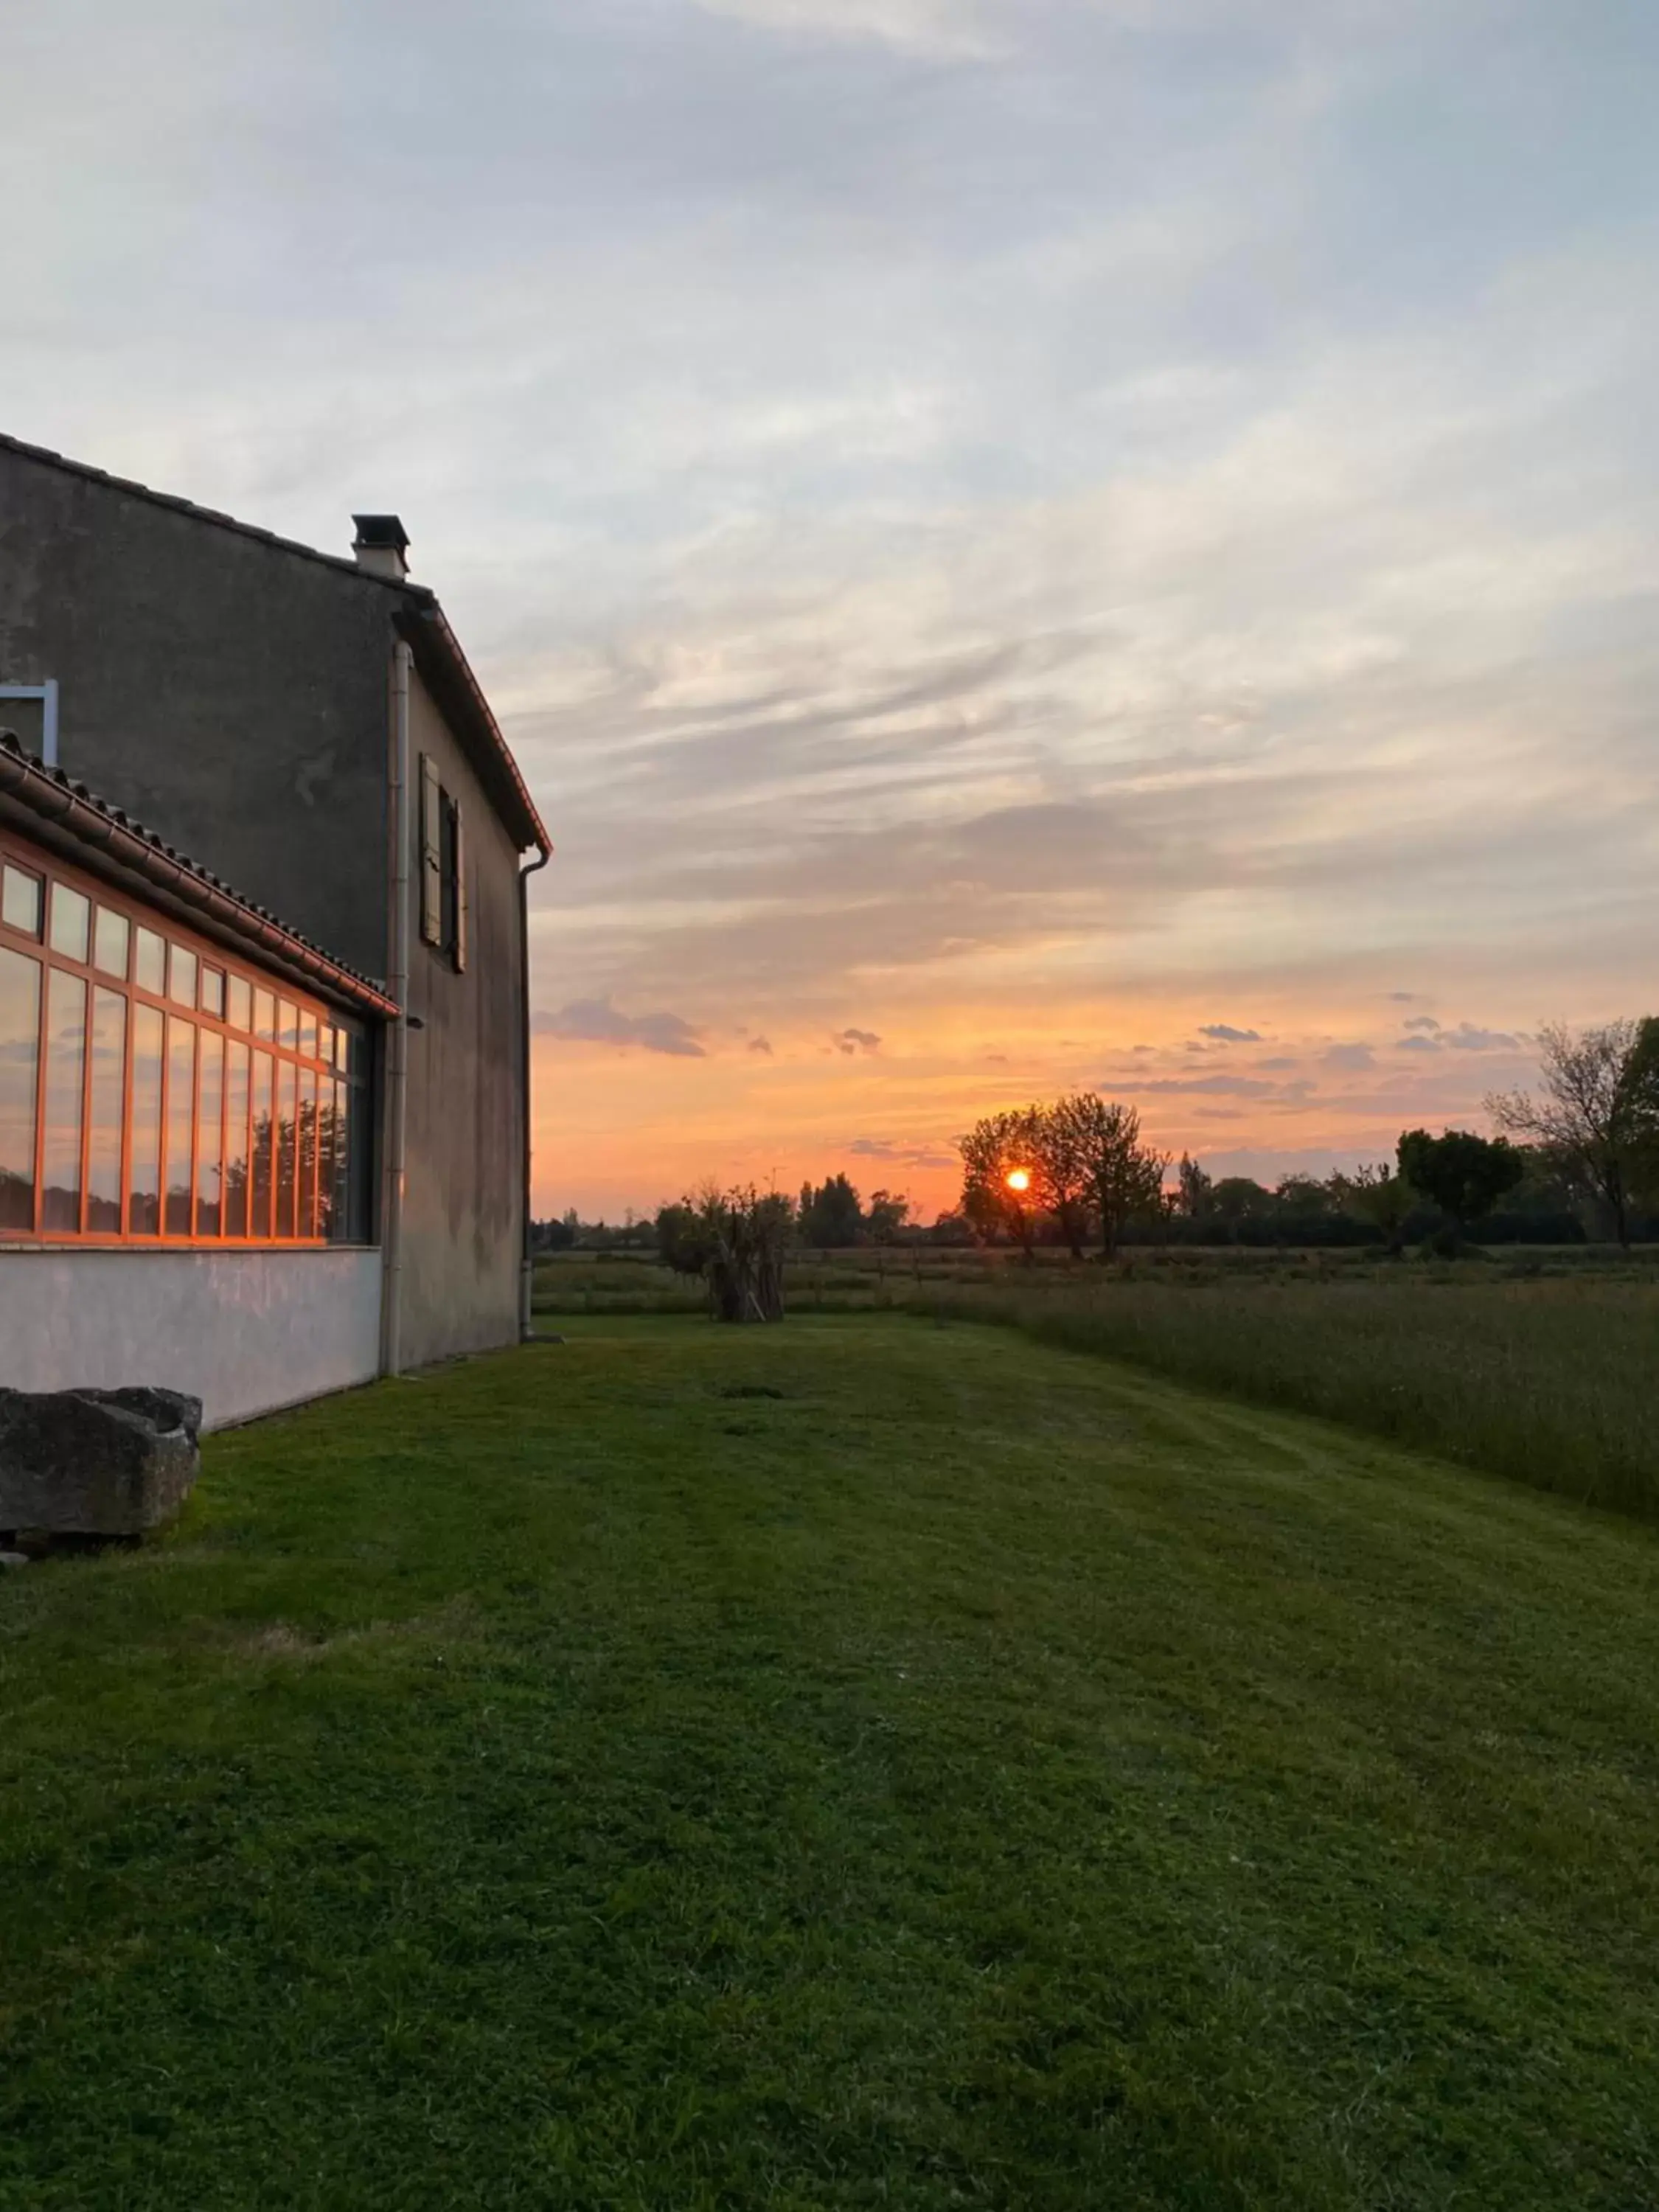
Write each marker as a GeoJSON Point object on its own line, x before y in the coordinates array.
{"type": "Point", "coordinates": [153, 1091]}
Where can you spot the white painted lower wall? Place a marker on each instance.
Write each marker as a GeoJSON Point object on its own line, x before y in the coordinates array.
{"type": "Point", "coordinates": [243, 1331]}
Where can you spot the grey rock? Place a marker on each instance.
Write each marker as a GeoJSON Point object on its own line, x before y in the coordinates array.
{"type": "Point", "coordinates": [96, 1463]}
{"type": "Point", "coordinates": [13, 1559]}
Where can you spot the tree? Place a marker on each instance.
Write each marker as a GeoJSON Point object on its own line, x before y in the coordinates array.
{"type": "Point", "coordinates": [1302, 1194]}
{"type": "Point", "coordinates": [998, 1146]}
{"type": "Point", "coordinates": [1464, 1175]}
{"type": "Point", "coordinates": [1597, 1118]}
{"type": "Point", "coordinates": [887, 1216]}
{"type": "Point", "coordinates": [1124, 1176]}
{"type": "Point", "coordinates": [682, 1243]}
{"type": "Point", "coordinates": [1195, 1190]}
{"type": "Point", "coordinates": [951, 1229]}
{"type": "Point", "coordinates": [831, 1217]}
{"type": "Point", "coordinates": [1236, 1198]}
{"type": "Point", "coordinates": [1060, 1164]}
{"type": "Point", "coordinates": [1377, 1194]}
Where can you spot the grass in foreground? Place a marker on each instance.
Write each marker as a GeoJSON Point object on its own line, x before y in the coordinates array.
{"type": "Point", "coordinates": [1544, 1376]}
{"type": "Point", "coordinates": [975, 1776]}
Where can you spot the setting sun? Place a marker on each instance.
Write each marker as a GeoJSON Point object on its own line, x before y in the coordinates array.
{"type": "Point", "coordinates": [1019, 1179]}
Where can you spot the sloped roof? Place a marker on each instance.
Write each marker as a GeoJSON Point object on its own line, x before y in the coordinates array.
{"type": "Point", "coordinates": [41, 803]}
{"type": "Point", "coordinates": [420, 620]}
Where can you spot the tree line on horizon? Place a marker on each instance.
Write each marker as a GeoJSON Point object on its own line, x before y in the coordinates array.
{"type": "Point", "coordinates": [1580, 1155]}
{"type": "Point", "coordinates": [1586, 1143]}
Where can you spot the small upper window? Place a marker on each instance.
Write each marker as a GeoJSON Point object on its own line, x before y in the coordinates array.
{"type": "Point", "coordinates": [71, 922]}
{"type": "Point", "coordinates": [112, 934]}
{"type": "Point", "coordinates": [181, 982]}
{"type": "Point", "coordinates": [240, 1008]}
{"type": "Point", "coordinates": [213, 991]}
{"type": "Point", "coordinates": [150, 962]}
{"type": "Point", "coordinates": [20, 901]}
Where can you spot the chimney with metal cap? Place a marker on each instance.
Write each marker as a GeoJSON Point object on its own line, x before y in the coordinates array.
{"type": "Point", "coordinates": [380, 545]}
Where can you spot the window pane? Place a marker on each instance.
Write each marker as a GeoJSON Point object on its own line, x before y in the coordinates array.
{"type": "Point", "coordinates": [213, 991]}
{"type": "Point", "coordinates": [326, 1156]}
{"type": "Point", "coordinates": [355, 1200]}
{"type": "Point", "coordinates": [308, 1034]}
{"type": "Point", "coordinates": [20, 900]}
{"type": "Point", "coordinates": [71, 921]}
{"type": "Point", "coordinates": [149, 968]}
{"type": "Point", "coordinates": [235, 1139]}
{"type": "Point", "coordinates": [209, 1105]}
{"type": "Point", "coordinates": [259, 1222]}
{"type": "Point", "coordinates": [340, 1222]}
{"type": "Point", "coordinates": [20, 1045]}
{"type": "Point", "coordinates": [288, 1024]}
{"type": "Point", "coordinates": [181, 981]}
{"type": "Point", "coordinates": [286, 1133]}
{"type": "Point", "coordinates": [265, 1014]}
{"type": "Point", "coordinates": [181, 1121]}
{"type": "Point", "coordinates": [342, 1048]}
{"type": "Point", "coordinates": [109, 1043]}
{"type": "Point", "coordinates": [144, 1181]}
{"type": "Point", "coordinates": [109, 943]}
{"type": "Point", "coordinates": [66, 1069]}
{"type": "Point", "coordinates": [240, 1003]}
{"type": "Point", "coordinates": [307, 1151]}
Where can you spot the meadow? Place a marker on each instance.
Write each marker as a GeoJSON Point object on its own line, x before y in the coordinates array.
{"type": "Point", "coordinates": [875, 1761]}
{"type": "Point", "coordinates": [1537, 1365]}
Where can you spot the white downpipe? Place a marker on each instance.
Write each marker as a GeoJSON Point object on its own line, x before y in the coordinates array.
{"type": "Point", "coordinates": [396, 1041]}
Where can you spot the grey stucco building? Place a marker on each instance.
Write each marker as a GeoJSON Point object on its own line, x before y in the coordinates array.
{"type": "Point", "coordinates": [306, 727]}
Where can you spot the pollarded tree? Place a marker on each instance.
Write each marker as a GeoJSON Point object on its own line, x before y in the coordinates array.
{"type": "Point", "coordinates": [739, 1239]}
{"type": "Point", "coordinates": [1464, 1175]}
{"type": "Point", "coordinates": [1124, 1176]}
{"type": "Point", "coordinates": [1597, 1120]}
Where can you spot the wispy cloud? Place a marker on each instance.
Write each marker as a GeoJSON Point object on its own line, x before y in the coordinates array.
{"type": "Point", "coordinates": [915, 1156]}
{"type": "Point", "coordinates": [1225, 1033]}
{"type": "Point", "coordinates": [1467, 1037]}
{"type": "Point", "coordinates": [596, 1021]}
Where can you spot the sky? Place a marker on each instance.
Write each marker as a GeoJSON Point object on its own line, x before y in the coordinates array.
{"type": "Point", "coordinates": [1021, 544]}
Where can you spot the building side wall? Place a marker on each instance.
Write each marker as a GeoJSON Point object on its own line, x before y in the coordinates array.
{"type": "Point", "coordinates": [464, 1201]}
{"type": "Point", "coordinates": [230, 694]}
{"type": "Point", "coordinates": [246, 1332]}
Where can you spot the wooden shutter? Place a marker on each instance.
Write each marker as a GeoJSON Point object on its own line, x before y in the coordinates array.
{"type": "Point", "coordinates": [460, 891]}
{"type": "Point", "coordinates": [432, 875]}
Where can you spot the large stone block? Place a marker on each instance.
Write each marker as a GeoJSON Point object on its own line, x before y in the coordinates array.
{"type": "Point", "coordinates": [96, 1463]}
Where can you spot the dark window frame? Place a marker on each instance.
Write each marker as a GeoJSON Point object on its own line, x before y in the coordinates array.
{"type": "Point", "coordinates": [445, 905]}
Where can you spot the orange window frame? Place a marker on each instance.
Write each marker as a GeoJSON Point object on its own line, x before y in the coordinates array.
{"type": "Point", "coordinates": [305, 1209]}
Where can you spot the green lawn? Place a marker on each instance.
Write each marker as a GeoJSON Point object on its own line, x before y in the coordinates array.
{"type": "Point", "coordinates": [977, 1775]}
